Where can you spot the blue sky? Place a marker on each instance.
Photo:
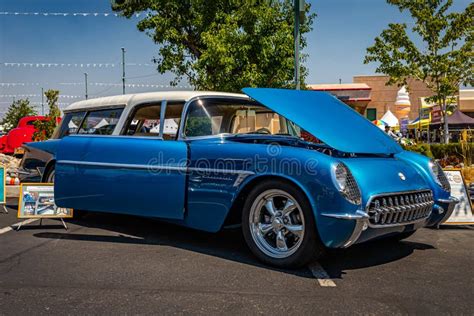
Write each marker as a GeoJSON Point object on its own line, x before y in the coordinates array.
{"type": "Point", "coordinates": [342, 31]}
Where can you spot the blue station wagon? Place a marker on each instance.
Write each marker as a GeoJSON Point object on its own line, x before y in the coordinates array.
{"type": "Point", "coordinates": [208, 160]}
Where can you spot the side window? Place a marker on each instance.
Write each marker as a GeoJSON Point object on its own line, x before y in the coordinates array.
{"type": "Point", "coordinates": [201, 120]}
{"type": "Point", "coordinates": [100, 122]}
{"type": "Point", "coordinates": [172, 120]}
{"type": "Point", "coordinates": [69, 124]}
{"type": "Point", "coordinates": [145, 121]}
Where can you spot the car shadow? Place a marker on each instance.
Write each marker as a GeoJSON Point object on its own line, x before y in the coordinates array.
{"type": "Point", "coordinates": [369, 254]}
{"type": "Point", "coordinates": [227, 244]}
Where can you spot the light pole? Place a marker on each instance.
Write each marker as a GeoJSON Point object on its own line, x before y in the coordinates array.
{"type": "Point", "coordinates": [85, 78]}
{"type": "Point", "coordinates": [42, 101]}
{"type": "Point", "coordinates": [123, 70]}
{"type": "Point", "coordinates": [299, 16]}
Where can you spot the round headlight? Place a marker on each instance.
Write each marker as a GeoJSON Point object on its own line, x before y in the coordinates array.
{"type": "Point", "coordinates": [439, 176]}
{"type": "Point", "coordinates": [346, 184]}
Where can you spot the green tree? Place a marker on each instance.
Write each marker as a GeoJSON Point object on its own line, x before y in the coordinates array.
{"type": "Point", "coordinates": [223, 44]}
{"type": "Point", "coordinates": [17, 110]}
{"type": "Point", "coordinates": [444, 58]}
{"type": "Point", "coordinates": [45, 129]}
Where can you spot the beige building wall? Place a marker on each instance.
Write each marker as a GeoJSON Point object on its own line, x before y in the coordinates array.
{"type": "Point", "coordinates": [466, 101]}
{"type": "Point", "coordinates": [383, 97]}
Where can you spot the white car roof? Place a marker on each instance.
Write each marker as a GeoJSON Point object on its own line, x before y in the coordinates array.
{"type": "Point", "coordinates": [137, 98]}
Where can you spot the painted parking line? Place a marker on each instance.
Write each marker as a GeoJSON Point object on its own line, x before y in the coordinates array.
{"type": "Point", "coordinates": [321, 275]}
{"type": "Point", "coordinates": [14, 226]}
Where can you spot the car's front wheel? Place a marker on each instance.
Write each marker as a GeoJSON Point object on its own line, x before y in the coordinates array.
{"type": "Point", "coordinates": [278, 225]}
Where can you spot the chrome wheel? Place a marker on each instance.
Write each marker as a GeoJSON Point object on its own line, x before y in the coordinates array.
{"type": "Point", "coordinates": [50, 177]}
{"type": "Point", "coordinates": [276, 223]}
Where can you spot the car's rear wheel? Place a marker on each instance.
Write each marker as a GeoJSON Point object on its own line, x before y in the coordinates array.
{"type": "Point", "coordinates": [50, 176]}
{"type": "Point", "coordinates": [278, 225]}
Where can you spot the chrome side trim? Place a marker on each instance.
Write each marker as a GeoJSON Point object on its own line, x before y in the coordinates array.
{"type": "Point", "coordinates": [120, 165]}
{"type": "Point", "coordinates": [152, 167]}
{"type": "Point", "coordinates": [348, 216]}
{"type": "Point", "coordinates": [209, 170]}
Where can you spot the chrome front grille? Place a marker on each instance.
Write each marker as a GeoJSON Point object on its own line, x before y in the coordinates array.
{"type": "Point", "coordinates": [400, 208]}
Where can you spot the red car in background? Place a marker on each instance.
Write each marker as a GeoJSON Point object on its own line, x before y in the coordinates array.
{"type": "Point", "coordinates": [21, 134]}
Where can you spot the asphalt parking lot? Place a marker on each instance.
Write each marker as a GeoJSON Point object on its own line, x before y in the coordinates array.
{"type": "Point", "coordinates": [109, 264]}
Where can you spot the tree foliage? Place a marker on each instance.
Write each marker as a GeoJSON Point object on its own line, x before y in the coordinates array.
{"type": "Point", "coordinates": [222, 44]}
{"type": "Point", "coordinates": [45, 129]}
{"type": "Point", "coordinates": [16, 111]}
{"type": "Point", "coordinates": [443, 60]}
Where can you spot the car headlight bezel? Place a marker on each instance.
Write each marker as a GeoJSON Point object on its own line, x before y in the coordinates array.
{"type": "Point", "coordinates": [438, 175]}
{"type": "Point", "coordinates": [346, 184]}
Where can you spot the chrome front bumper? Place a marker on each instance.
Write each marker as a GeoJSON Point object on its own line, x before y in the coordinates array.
{"type": "Point", "coordinates": [442, 208]}
{"type": "Point", "coordinates": [448, 208]}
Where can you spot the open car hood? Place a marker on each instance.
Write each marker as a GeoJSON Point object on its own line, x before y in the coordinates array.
{"type": "Point", "coordinates": [328, 119]}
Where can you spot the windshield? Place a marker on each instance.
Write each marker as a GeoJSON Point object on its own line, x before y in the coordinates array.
{"type": "Point", "coordinates": [207, 117]}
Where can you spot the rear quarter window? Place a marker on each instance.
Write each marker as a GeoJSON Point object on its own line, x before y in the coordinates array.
{"type": "Point", "coordinates": [69, 124]}
{"type": "Point", "coordinates": [101, 122]}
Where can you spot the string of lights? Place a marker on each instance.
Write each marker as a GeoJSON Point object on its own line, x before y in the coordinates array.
{"type": "Point", "coordinates": [75, 65]}
{"type": "Point", "coordinates": [66, 14]}
{"type": "Point", "coordinates": [38, 95]}
{"type": "Point", "coordinates": [98, 84]}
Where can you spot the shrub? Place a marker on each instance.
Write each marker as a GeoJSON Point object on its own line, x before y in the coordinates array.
{"type": "Point", "coordinates": [423, 149]}
{"type": "Point", "coordinates": [450, 154]}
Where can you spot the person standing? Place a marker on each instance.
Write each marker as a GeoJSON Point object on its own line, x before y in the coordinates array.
{"type": "Point", "coordinates": [390, 133]}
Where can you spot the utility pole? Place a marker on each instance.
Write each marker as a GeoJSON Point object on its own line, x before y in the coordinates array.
{"type": "Point", "coordinates": [42, 101]}
{"type": "Point", "coordinates": [299, 17]}
{"type": "Point", "coordinates": [123, 70]}
{"type": "Point", "coordinates": [85, 77]}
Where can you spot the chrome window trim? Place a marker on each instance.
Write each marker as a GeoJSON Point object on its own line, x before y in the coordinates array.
{"type": "Point", "coordinates": [96, 108]}
{"type": "Point", "coordinates": [162, 117]}
{"type": "Point", "coordinates": [367, 206]}
{"type": "Point", "coordinates": [117, 136]}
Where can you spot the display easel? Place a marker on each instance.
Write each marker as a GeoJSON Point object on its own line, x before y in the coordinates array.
{"type": "Point", "coordinates": [4, 209]}
{"type": "Point", "coordinates": [41, 223]}
{"type": "Point", "coordinates": [37, 198]}
{"type": "Point", "coordinates": [3, 193]}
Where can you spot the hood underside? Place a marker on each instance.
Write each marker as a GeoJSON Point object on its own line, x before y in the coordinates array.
{"type": "Point", "coordinates": [328, 119]}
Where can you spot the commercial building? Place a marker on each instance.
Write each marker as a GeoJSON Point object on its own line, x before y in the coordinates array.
{"type": "Point", "coordinates": [383, 97]}
{"type": "Point", "coordinates": [466, 101]}
{"type": "Point", "coordinates": [371, 97]}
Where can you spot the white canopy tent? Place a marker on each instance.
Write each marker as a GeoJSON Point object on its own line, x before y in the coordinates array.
{"type": "Point", "coordinates": [102, 123]}
{"type": "Point", "coordinates": [171, 127]}
{"type": "Point", "coordinates": [390, 119]}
